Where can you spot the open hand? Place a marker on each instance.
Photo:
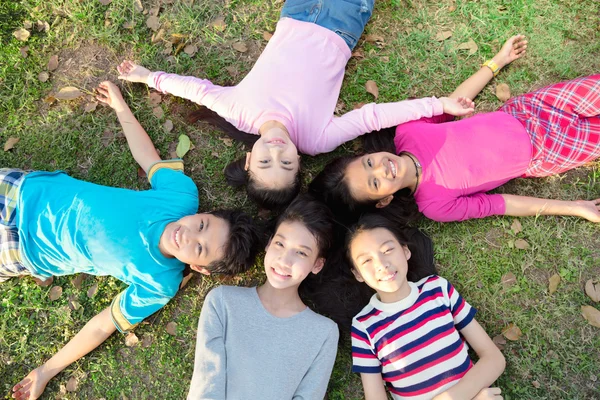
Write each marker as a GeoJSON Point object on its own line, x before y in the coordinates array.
{"type": "Point", "coordinates": [109, 94]}
{"type": "Point", "coordinates": [489, 394]}
{"type": "Point", "coordinates": [459, 107]}
{"type": "Point", "coordinates": [132, 72]}
{"type": "Point", "coordinates": [31, 387]}
{"type": "Point", "coordinates": [589, 210]}
{"type": "Point", "coordinates": [513, 49]}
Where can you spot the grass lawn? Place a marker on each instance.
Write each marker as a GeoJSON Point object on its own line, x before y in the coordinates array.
{"type": "Point", "coordinates": [558, 354]}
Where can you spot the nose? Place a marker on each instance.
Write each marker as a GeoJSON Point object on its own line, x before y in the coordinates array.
{"type": "Point", "coordinates": [285, 259]}
{"type": "Point", "coordinates": [380, 265]}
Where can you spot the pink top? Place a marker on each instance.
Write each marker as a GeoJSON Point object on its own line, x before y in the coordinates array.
{"type": "Point", "coordinates": [462, 160]}
{"type": "Point", "coordinates": [296, 81]}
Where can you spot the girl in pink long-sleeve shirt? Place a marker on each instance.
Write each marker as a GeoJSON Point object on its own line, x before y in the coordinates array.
{"type": "Point", "coordinates": [286, 102]}
{"type": "Point", "coordinates": [446, 167]}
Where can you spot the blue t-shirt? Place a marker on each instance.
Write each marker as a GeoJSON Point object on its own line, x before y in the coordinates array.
{"type": "Point", "coordinates": [67, 226]}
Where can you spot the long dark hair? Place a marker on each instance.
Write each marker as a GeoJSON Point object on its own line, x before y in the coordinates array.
{"type": "Point", "coordinates": [235, 173]}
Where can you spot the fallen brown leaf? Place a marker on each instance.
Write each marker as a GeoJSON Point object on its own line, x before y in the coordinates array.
{"type": "Point", "coordinates": [72, 384]}
{"type": "Point", "coordinates": [155, 99]}
{"type": "Point", "coordinates": [499, 341]}
{"type": "Point", "coordinates": [168, 125]}
{"type": "Point", "coordinates": [10, 143]}
{"type": "Point", "coordinates": [43, 76]}
{"type": "Point", "coordinates": [154, 11]}
{"type": "Point", "coordinates": [521, 244]}
{"type": "Point", "coordinates": [24, 51]}
{"type": "Point", "coordinates": [74, 304]}
{"type": "Point", "coordinates": [55, 293]}
{"type": "Point", "coordinates": [27, 24]}
{"type": "Point", "coordinates": [131, 339]}
{"type": "Point", "coordinates": [146, 341]}
{"type": "Point", "coordinates": [233, 71]}
{"type": "Point", "coordinates": [591, 315]}
{"type": "Point", "coordinates": [91, 106]}
{"type": "Point", "coordinates": [592, 289]}
{"type": "Point", "coordinates": [158, 112]}
{"type": "Point", "coordinates": [141, 173]}
{"type": "Point", "coordinates": [158, 36]}
{"type": "Point", "coordinates": [92, 290]}
{"type": "Point", "coordinates": [536, 384]}
{"type": "Point", "coordinates": [512, 332]}
{"type": "Point", "coordinates": [190, 50]}
{"type": "Point", "coordinates": [137, 5]}
{"type": "Point", "coordinates": [49, 99]}
{"type": "Point", "coordinates": [516, 226]}
{"type": "Point", "coordinates": [21, 34]}
{"type": "Point", "coordinates": [359, 54]}
{"type": "Point", "coordinates": [240, 46]}
{"type": "Point", "coordinates": [153, 23]}
{"type": "Point", "coordinates": [443, 35]}
{"type": "Point", "coordinates": [451, 8]}
{"type": "Point", "coordinates": [372, 38]}
{"type": "Point", "coordinates": [105, 2]}
{"type": "Point", "coordinates": [385, 59]}
{"type": "Point", "coordinates": [42, 26]}
{"type": "Point", "coordinates": [227, 141]}
{"type": "Point", "coordinates": [339, 107]}
{"type": "Point", "coordinates": [128, 25]}
{"type": "Point", "coordinates": [508, 280]}
{"type": "Point", "coordinates": [68, 93]}
{"type": "Point", "coordinates": [357, 106]}
{"type": "Point", "coordinates": [372, 88]}
{"type": "Point", "coordinates": [185, 280]}
{"type": "Point", "coordinates": [553, 283]}
{"type": "Point", "coordinates": [168, 48]}
{"type": "Point", "coordinates": [177, 38]}
{"type": "Point", "coordinates": [172, 328]}
{"type": "Point", "coordinates": [267, 35]}
{"type": "Point", "coordinates": [471, 46]}
{"type": "Point", "coordinates": [218, 24]}
{"type": "Point", "coordinates": [78, 280]}
{"type": "Point", "coordinates": [502, 92]}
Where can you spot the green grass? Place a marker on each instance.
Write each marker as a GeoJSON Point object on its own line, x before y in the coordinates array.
{"type": "Point", "coordinates": [558, 350]}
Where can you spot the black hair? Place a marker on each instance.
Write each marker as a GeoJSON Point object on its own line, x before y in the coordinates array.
{"type": "Point", "coordinates": [207, 115]}
{"type": "Point", "coordinates": [243, 244]}
{"type": "Point", "coordinates": [271, 199]}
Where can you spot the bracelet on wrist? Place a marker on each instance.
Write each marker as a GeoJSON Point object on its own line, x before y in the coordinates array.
{"type": "Point", "coordinates": [491, 64]}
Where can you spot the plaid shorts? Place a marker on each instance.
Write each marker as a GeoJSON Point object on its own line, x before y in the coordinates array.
{"type": "Point", "coordinates": [563, 121]}
{"type": "Point", "coordinates": [10, 259]}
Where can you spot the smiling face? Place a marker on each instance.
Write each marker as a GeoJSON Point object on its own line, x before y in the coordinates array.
{"type": "Point", "coordinates": [381, 262]}
{"type": "Point", "coordinates": [292, 254]}
{"type": "Point", "coordinates": [274, 159]}
{"type": "Point", "coordinates": [375, 176]}
{"type": "Point", "coordinates": [196, 239]}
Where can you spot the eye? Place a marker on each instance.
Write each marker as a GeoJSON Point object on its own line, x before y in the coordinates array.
{"type": "Point", "coordinates": [278, 244]}
{"type": "Point", "coordinates": [302, 254]}
{"type": "Point", "coordinates": [263, 161]}
{"type": "Point", "coordinates": [366, 261]}
{"type": "Point", "coordinates": [376, 184]}
{"type": "Point", "coordinates": [388, 251]}
{"type": "Point", "coordinates": [286, 162]}
{"type": "Point", "coordinates": [369, 163]}
{"type": "Point", "coordinates": [199, 249]}
{"type": "Point", "coordinates": [201, 226]}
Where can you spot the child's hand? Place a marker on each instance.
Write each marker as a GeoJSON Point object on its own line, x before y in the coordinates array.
{"type": "Point", "coordinates": [458, 107]}
{"type": "Point", "coordinates": [589, 210]}
{"type": "Point", "coordinates": [132, 72]}
{"type": "Point", "coordinates": [109, 94]}
{"type": "Point", "coordinates": [489, 394]}
{"type": "Point", "coordinates": [31, 387]}
{"type": "Point", "coordinates": [513, 49]}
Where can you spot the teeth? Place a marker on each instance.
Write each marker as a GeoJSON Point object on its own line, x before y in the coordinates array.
{"type": "Point", "coordinates": [388, 277]}
{"type": "Point", "coordinates": [393, 167]}
{"type": "Point", "coordinates": [176, 237]}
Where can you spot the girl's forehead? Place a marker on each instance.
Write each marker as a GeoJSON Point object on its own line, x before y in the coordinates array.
{"type": "Point", "coordinates": [296, 232]}
{"type": "Point", "coordinates": [371, 239]}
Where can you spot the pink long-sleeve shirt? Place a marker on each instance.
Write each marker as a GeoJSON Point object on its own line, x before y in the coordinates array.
{"type": "Point", "coordinates": [296, 81]}
{"type": "Point", "coordinates": [462, 160]}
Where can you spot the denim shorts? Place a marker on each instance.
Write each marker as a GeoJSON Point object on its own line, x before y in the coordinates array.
{"type": "Point", "coordinates": [347, 18]}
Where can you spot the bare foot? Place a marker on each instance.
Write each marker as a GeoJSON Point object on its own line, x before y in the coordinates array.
{"type": "Point", "coordinates": [31, 387]}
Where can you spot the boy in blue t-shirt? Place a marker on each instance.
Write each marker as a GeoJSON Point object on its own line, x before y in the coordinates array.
{"type": "Point", "coordinates": [52, 224]}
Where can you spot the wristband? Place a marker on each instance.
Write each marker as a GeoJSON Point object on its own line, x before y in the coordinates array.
{"type": "Point", "coordinates": [491, 64]}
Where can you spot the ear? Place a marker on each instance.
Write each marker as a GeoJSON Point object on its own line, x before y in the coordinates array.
{"type": "Point", "coordinates": [247, 165]}
{"type": "Point", "coordinates": [385, 201]}
{"type": "Point", "coordinates": [357, 275]}
{"type": "Point", "coordinates": [407, 252]}
{"type": "Point", "coordinates": [200, 269]}
{"type": "Point", "coordinates": [318, 265]}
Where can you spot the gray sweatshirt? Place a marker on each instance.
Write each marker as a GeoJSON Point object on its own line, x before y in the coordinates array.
{"type": "Point", "coordinates": [244, 353]}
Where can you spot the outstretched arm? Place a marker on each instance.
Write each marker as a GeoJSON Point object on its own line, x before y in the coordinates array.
{"type": "Point", "coordinates": [373, 386]}
{"type": "Point", "coordinates": [521, 206]}
{"type": "Point", "coordinates": [513, 49]}
{"type": "Point", "coordinates": [94, 333]}
{"type": "Point", "coordinates": [139, 142]}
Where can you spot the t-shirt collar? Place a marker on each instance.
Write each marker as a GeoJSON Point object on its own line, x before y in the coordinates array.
{"type": "Point", "coordinates": [398, 305]}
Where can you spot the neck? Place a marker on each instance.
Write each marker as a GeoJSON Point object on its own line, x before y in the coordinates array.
{"type": "Point", "coordinates": [409, 172]}
{"type": "Point", "coordinates": [280, 302]}
{"type": "Point", "coordinates": [270, 125]}
{"type": "Point", "coordinates": [393, 297]}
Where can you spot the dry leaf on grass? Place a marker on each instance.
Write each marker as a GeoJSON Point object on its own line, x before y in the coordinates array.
{"type": "Point", "coordinates": [91, 106]}
{"type": "Point", "coordinates": [131, 339]}
{"type": "Point", "coordinates": [471, 46]}
{"type": "Point", "coordinates": [141, 173]}
{"type": "Point", "coordinates": [158, 36]}
{"type": "Point", "coordinates": [190, 49]}
{"type": "Point", "coordinates": [146, 341]}
{"type": "Point", "coordinates": [591, 315]}
{"type": "Point", "coordinates": [183, 146]}
{"type": "Point", "coordinates": [502, 92]}
{"type": "Point", "coordinates": [508, 280]}
{"type": "Point", "coordinates": [516, 226]}
{"type": "Point", "coordinates": [158, 112]}
{"type": "Point", "coordinates": [137, 5]}
{"type": "Point", "coordinates": [512, 332]}
{"type": "Point", "coordinates": [372, 38]}
{"type": "Point", "coordinates": [233, 71]}
{"type": "Point", "coordinates": [372, 88]}
{"type": "Point", "coordinates": [553, 283]}
{"type": "Point", "coordinates": [443, 35]}
{"type": "Point", "coordinates": [105, 2]}
{"type": "Point", "coordinates": [128, 25]}
{"type": "Point", "coordinates": [267, 35]}
{"type": "Point", "coordinates": [10, 143]}
{"type": "Point", "coordinates": [185, 280]}
{"type": "Point", "coordinates": [78, 280]}
{"type": "Point", "coordinates": [218, 24]}
{"type": "Point", "coordinates": [43, 76]}
{"type": "Point", "coordinates": [68, 93]}
{"type": "Point", "coordinates": [24, 51]}
{"type": "Point", "coordinates": [521, 244]}
{"type": "Point", "coordinates": [21, 34]}
{"type": "Point", "coordinates": [74, 304]}
{"type": "Point", "coordinates": [168, 125]}
{"type": "Point", "coordinates": [42, 26]}
{"type": "Point", "coordinates": [72, 384]}
{"type": "Point", "coordinates": [357, 106]}
{"type": "Point", "coordinates": [27, 24]}
{"type": "Point", "coordinates": [92, 290]}
{"type": "Point", "coordinates": [359, 54]}
{"type": "Point", "coordinates": [240, 46]}
{"type": "Point", "coordinates": [536, 384]}
{"type": "Point", "coordinates": [55, 293]}
{"type": "Point", "coordinates": [154, 11]}
{"type": "Point", "coordinates": [172, 328]}
{"type": "Point", "coordinates": [227, 141]}
{"type": "Point", "coordinates": [339, 107]}
{"type": "Point", "coordinates": [499, 341]}
{"type": "Point", "coordinates": [592, 289]}
{"type": "Point", "coordinates": [155, 99]}
{"type": "Point", "coordinates": [153, 23]}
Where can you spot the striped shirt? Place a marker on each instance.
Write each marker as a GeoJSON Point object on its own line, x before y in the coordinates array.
{"type": "Point", "coordinates": [414, 343]}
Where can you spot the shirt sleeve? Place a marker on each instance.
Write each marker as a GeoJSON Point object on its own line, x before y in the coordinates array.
{"type": "Point", "coordinates": [189, 87]}
{"type": "Point", "coordinates": [462, 312]}
{"type": "Point", "coordinates": [133, 305]}
{"type": "Point", "coordinates": [314, 383]}
{"type": "Point", "coordinates": [478, 205]}
{"type": "Point", "coordinates": [373, 117]}
{"type": "Point", "coordinates": [210, 365]}
{"type": "Point", "coordinates": [168, 175]}
{"type": "Point", "coordinates": [364, 359]}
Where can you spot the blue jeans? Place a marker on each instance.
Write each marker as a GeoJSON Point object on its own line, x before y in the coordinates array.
{"type": "Point", "coordinates": [347, 18]}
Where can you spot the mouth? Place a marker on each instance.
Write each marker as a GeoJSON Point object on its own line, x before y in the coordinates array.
{"type": "Point", "coordinates": [388, 277]}
{"type": "Point", "coordinates": [277, 142]}
{"type": "Point", "coordinates": [393, 168]}
{"type": "Point", "coordinates": [176, 236]}
{"type": "Point", "coordinates": [280, 275]}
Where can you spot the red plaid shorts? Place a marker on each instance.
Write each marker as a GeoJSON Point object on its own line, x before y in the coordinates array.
{"type": "Point", "coordinates": [563, 121]}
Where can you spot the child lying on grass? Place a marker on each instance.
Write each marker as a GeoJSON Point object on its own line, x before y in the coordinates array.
{"type": "Point", "coordinates": [52, 224]}
{"type": "Point", "coordinates": [264, 342]}
{"type": "Point", "coordinates": [411, 336]}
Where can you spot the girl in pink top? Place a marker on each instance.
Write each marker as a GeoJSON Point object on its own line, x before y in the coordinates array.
{"type": "Point", "coordinates": [285, 104]}
{"type": "Point", "coordinates": [447, 166]}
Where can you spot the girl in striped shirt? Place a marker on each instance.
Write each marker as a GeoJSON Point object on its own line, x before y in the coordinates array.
{"type": "Point", "coordinates": [411, 336]}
